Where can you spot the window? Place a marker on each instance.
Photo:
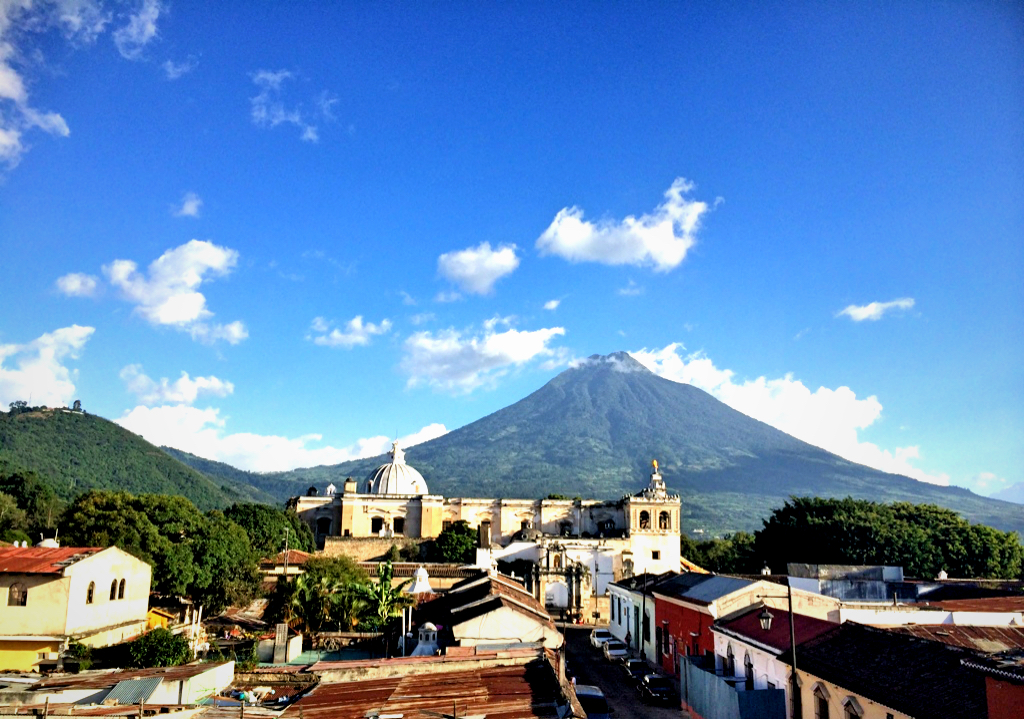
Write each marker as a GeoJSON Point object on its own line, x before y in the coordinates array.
{"type": "Point", "coordinates": [748, 672]}
{"type": "Point", "coordinates": [17, 595]}
{"type": "Point", "coordinates": [730, 662]}
{"type": "Point", "coordinates": [645, 520]}
{"type": "Point", "coordinates": [851, 709]}
{"type": "Point", "coordinates": [376, 525]}
{"type": "Point", "coordinates": [820, 703]}
{"type": "Point", "coordinates": [120, 590]}
{"type": "Point", "coordinates": [663, 521]}
{"type": "Point", "coordinates": [647, 627]}
{"type": "Point", "coordinates": [90, 592]}
{"type": "Point", "coordinates": [655, 554]}
{"type": "Point", "coordinates": [323, 526]}
{"type": "Point", "coordinates": [399, 525]}
{"type": "Point", "coordinates": [446, 524]}
{"type": "Point", "coordinates": [113, 590]}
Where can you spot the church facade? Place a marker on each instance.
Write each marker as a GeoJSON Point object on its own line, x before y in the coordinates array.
{"type": "Point", "coordinates": [601, 541]}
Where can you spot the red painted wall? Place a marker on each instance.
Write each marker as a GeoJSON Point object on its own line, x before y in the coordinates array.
{"type": "Point", "coordinates": [680, 622]}
{"type": "Point", "coordinates": [1005, 700]}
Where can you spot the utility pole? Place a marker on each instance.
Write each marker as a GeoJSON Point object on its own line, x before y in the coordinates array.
{"type": "Point", "coordinates": [286, 554]}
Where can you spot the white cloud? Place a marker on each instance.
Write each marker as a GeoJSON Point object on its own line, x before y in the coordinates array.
{"type": "Point", "coordinates": [660, 239]}
{"type": "Point", "coordinates": [477, 269]}
{"type": "Point", "coordinates": [78, 284]}
{"type": "Point", "coordinates": [183, 390]}
{"type": "Point", "coordinates": [79, 21]}
{"type": "Point", "coordinates": [456, 362]}
{"type": "Point", "coordinates": [169, 294]}
{"type": "Point", "coordinates": [269, 110]}
{"type": "Point", "coordinates": [422, 318]}
{"type": "Point", "coordinates": [875, 310]}
{"type": "Point", "coordinates": [131, 38]}
{"type": "Point", "coordinates": [826, 418]}
{"type": "Point", "coordinates": [203, 432]}
{"type": "Point", "coordinates": [190, 205]}
{"type": "Point", "coordinates": [356, 332]}
{"type": "Point", "coordinates": [552, 304]}
{"type": "Point", "coordinates": [445, 297]}
{"type": "Point", "coordinates": [632, 289]}
{"type": "Point", "coordinates": [39, 375]}
{"type": "Point", "coordinates": [174, 70]}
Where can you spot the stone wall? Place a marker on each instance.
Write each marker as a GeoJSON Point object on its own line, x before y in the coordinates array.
{"type": "Point", "coordinates": [362, 549]}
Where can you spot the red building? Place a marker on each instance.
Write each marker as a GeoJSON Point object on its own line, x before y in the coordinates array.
{"type": "Point", "coordinates": [686, 606]}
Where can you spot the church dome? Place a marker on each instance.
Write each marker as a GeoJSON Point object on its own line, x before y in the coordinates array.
{"type": "Point", "coordinates": [396, 477]}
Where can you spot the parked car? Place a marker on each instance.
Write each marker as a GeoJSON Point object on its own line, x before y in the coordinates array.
{"type": "Point", "coordinates": [635, 670]}
{"type": "Point", "coordinates": [615, 651]}
{"type": "Point", "coordinates": [599, 636]}
{"type": "Point", "coordinates": [656, 689]}
{"type": "Point", "coordinates": [593, 702]}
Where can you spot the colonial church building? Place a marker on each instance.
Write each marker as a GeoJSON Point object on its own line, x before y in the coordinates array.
{"type": "Point", "coordinates": [577, 547]}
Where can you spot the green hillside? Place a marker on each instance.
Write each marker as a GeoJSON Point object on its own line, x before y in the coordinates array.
{"type": "Point", "coordinates": [593, 431]}
{"type": "Point", "coordinates": [74, 452]}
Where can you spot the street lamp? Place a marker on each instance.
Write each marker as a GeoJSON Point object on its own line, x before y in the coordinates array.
{"type": "Point", "coordinates": [765, 618]}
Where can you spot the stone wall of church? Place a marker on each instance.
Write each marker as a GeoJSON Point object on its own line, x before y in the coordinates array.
{"type": "Point", "coordinates": [361, 549]}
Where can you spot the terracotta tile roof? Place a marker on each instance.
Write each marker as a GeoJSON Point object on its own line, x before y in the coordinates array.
{"type": "Point", "coordinates": [748, 626]}
{"type": "Point", "coordinates": [42, 560]}
{"type": "Point", "coordinates": [987, 640]}
{"type": "Point", "coordinates": [295, 558]}
{"type": "Point", "coordinates": [918, 677]}
{"type": "Point", "coordinates": [510, 692]}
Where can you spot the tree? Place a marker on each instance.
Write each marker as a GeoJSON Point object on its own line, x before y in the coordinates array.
{"type": "Point", "coordinates": [13, 520]}
{"type": "Point", "coordinates": [330, 594]}
{"type": "Point", "coordinates": [387, 600]}
{"type": "Point", "coordinates": [456, 544]}
{"type": "Point", "coordinates": [266, 527]}
{"type": "Point", "coordinates": [226, 568]}
{"type": "Point", "coordinates": [923, 539]}
{"type": "Point", "coordinates": [159, 648]}
{"type": "Point", "coordinates": [40, 503]}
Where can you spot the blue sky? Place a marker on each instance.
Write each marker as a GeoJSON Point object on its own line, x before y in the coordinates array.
{"type": "Point", "coordinates": [280, 234]}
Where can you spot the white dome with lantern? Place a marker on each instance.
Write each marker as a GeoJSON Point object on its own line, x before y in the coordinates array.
{"type": "Point", "coordinates": [396, 477]}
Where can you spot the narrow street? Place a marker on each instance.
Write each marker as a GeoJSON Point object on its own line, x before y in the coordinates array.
{"type": "Point", "coordinates": [591, 667]}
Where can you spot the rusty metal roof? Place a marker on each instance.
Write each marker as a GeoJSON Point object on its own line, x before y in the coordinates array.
{"type": "Point", "coordinates": [981, 604]}
{"type": "Point", "coordinates": [42, 560]}
{"type": "Point", "coordinates": [101, 679]}
{"type": "Point", "coordinates": [511, 692]}
{"type": "Point", "coordinates": [988, 640]}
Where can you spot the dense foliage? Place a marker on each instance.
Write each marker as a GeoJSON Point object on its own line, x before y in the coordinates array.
{"type": "Point", "coordinates": [206, 557]}
{"type": "Point", "coordinates": [159, 648]}
{"type": "Point", "coordinates": [266, 528]}
{"type": "Point", "coordinates": [923, 539]}
{"type": "Point", "coordinates": [37, 508]}
{"type": "Point", "coordinates": [72, 452]}
{"type": "Point", "coordinates": [456, 544]}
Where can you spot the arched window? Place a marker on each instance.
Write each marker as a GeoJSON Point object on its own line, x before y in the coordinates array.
{"type": "Point", "coordinates": [663, 521]}
{"type": "Point", "coordinates": [399, 525]}
{"type": "Point", "coordinates": [17, 595]}
{"type": "Point", "coordinates": [113, 590]}
{"type": "Point", "coordinates": [645, 520]}
{"type": "Point", "coordinates": [820, 702]}
{"type": "Point", "coordinates": [730, 662]}
{"type": "Point", "coordinates": [323, 526]}
{"type": "Point", "coordinates": [376, 525]}
{"type": "Point", "coordinates": [90, 593]}
{"type": "Point", "coordinates": [748, 672]}
{"type": "Point", "coordinates": [557, 561]}
{"type": "Point", "coordinates": [851, 709]}
{"type": "Point", "coordinates": [120, 590]}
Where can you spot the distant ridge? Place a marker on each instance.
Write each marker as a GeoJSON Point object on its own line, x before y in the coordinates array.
{"type": "Point", "coordinates": [74, 452]}
{"type": "Point", "coordinates": [593, 430]}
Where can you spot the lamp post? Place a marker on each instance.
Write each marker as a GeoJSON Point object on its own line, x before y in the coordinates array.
{"type": "Point", "coordinates": [765, 618]}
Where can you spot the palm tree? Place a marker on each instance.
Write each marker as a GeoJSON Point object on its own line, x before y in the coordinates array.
{"type": "Point", "coordinates": [387, 601]}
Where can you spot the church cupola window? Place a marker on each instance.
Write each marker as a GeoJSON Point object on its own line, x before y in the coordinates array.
{"type": "Point", "coordinates": [664, 521]}
{"type": "Point", "coordinates": [645, 519]}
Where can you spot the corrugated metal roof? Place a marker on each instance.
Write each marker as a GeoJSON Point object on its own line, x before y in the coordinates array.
{"type": "Point", "coordinates": [988, 640]}
{"type": "Point", "coordinates": [42, 560]}
{"type": "Point", "coordinates": [132, 691]}
{"type": "Point", "coordinates": [983, 604]}
{"type": "Point", "coordinates": [714, 588]}
{"type": "Point", "coordinates": [511, 692]}
{"type": "Point", "coordinates": [101, 679]}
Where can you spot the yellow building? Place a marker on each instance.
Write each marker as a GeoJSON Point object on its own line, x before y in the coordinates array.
{"type": "Point", "coordinates": [605, 540]}
{"type": "Point", "coordinates": [50, 595]}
